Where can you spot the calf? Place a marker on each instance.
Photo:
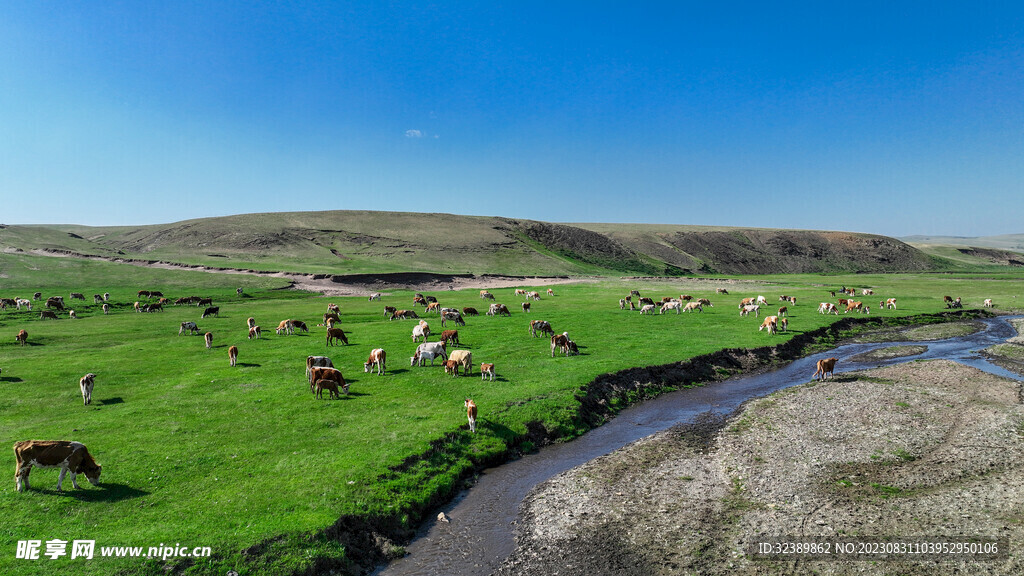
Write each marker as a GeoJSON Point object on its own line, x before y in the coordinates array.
{"type": "Point", "coordinates": [783, 310]}
{"type": "Point", "coordinates": [419, 331]}
{"type": "Point", "coordinates": [330, 385]}
{"type": "Point", "coordinates": [376, 360]}
{"type": "Point", "coordinates": [691, 306]}
{"type": "Point", "coordinates": [433, 307]}
{"type": "Point", "coordinates": [208, 337]}
{"type": "Point", "coordinates": [333, 308]}
{"type": "Point", "coordinates": [233, 355]}
{"type": "Point", "coordinates": [106, 308]}
{"type": "Point", "coordinates": [487, 371]}
{"type": "Point", "coordinates": [783, 324]}
{"type": "Point", "coordinates": [189, 327]}
{"type": "Point", "coordinates": [560, 342]}
{"type": "Point", "coordinates": [551, 292]}
{"type": "Point", "coordinates": [330, 318]}
{"type": "Point", "coordinates": [622, 303]}
{"type": "Point", "coordinates": [890, 304]}
{"type": "Point", "coordinates": [204, 302]}
{"type": "Point", "coordinates": [37, 296]}
{"type": "Point", "coordinates": [429, 350]}
{"type": "Point", "coordinates": [212, 311]}
{"type": "Point", "coordinates": [721, 291]}
{"type": "Point", "coordinates": [106, 296]}
{"type": "Point", "coordinates": [470, 407]}
{"type": "Point", "coordinates": [86, 384]}
{"type": "Point", "coordinates": [450, 336]}
{"type": "Point", "coordinates": [22, 337]}
{"type": "Point", "coordinates": [828, 308]}
{"type": "Point", "coordinates": [336, 334]}
{"type": "Point", "coordinates": [72, 315]}
{"type": "Point", "coordinates": [97, 298]}
{"type": "Point", "coordinates": [470, 311]}
{"type": "Point", "coordinates": [771, 323]}
{"type": "Point", "coordinates": [389, 310]}
{"type": "Point", "coordinates": [987, 303]}
{"type": "Point", "coordinates": [286, 327]}
{"type": "Point", "coordinates": [255, 332]}
{"type": "Point", "coordinates": [318, 374]}
{"type": "Point", "coordinates": [647, 309]}
{"type": "Point", "coordinates": [451, 367]}
{"type": "Point", "coordinates": [300, 325]}
{"type": "Point", "coordinates": [374, 296]}
{"type": "Point", "coordinates": [453, 316]}
{"type": "Point", "coordinates": [70, 457]}
{"type": "Point", "coordinates": [825, 368]}
{"type": "Point", "coordinates": [526, 306]}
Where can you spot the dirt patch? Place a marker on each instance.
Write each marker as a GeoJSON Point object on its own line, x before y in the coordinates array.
{"type": "Point", "coordinates": [921, 449]}
{"type": "Point", "coordinates": [922, 333]}
{"type": "Point", "coordinates": [889, 353]}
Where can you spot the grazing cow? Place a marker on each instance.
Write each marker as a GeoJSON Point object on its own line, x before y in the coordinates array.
{"type": "Point", "coordinates": [783, 298]}
{"type": "Point", "coordinates": [208, 338]}
{"type": "Point", "coordinates": [551, 292]}
{"type": "Point", "coordinates": [430, 299]}
{"type": "Point", "coordinates": [47, 314]}
{"type": "Point", "coordinates": [854, 306]}
{"type": "Point", "coordinates": [5, 302]}
{"type": "Point", "coordinates": [22, 337]}
{"type": "Point", "coordinates": [485, 295]}
{"type": "Point", "coordinates": [189, 327]}
{"type": "Point", "coordinates": [470, 311]}
{"type": "Point", "coordinates": [450, 336]}
{"type": "Point", "coordinates": [487, 371]}
{"type": "Point", "coordinates": [783, 310]}
{"type": "Point", "coordinates": [634, 293]}
{"type": "Point", "coordinates": [771, 323]}
{"type": "Point", "coordinates": [428, 351]}
{"type": "Point", "coordinates": [204, 302]}
{"type": "Point", "coordinates": [622, 303]}
{"type": "Point", "coordinates": [330, 318]}
{"type": "Point", "coordinates": [419, 331]}
{"type": "Point", "coordinates": [631, 306]}
{"type": "Point", "coordinates": [238, 291]}
{"type": "Point", "coordinates": [526, 306]}
{"type": "Point", "coordinates": [250, 322]}
{"type": "Point", "coordinates": [212, 311]}
{"type": "Point", "coordinates": [762, 300]}
{"type": "Point", "coordinates": [721, 291]}
{"type": "Point", "coordinates": [685, 297]}
{"type": "Point", "coordinates": [330, 385]}
{"type": "Point", "coordinates": [77, 296]}
{"type": "Point", "coordinates": [746, 302]}
{"type": "Point", "coordinates": [419, 301]}
{"type": "Point", "coordinates": [55, 302]}
{"type": "Point", "coordinates": [336, 334]}
{"type": "Point", "coordinates": [377, 359]}
{"type": "Point", "coordinates": [665, 300]}
{"type": "Point", "coordinates": [645, 301]}
{"type": "Point", "coordinates": [842, 302]}
{"type": "Point", "coordinates": [691, 306]}
{"type": "Point", "coordinates": [498, 310]}
{"type": "Point", "coordinates": [705, 302]}
{"type": "Point", "coordinates": [647, 309]}
{"type": "Point", "coordinates": [300, 325]}
{"type": "Point", "coordinates": [451, 367]}
{"type": "Point", "coordinates": [559, 342]}
{"type": "Point", "coordinates": [106, 296]}
{"type": "Point", "coordinates": [828, 308]}
{"type": "Point", "coordinates": [756, 309]}
{"type": "Point", "coordinates": [388, 310]}
{"type": "Point", "coordinates": [106, 308]}
{"type": "Point", "coordinates": [987, 303]}
{"type": "Point", "coordinates": [454, 316]}
{"type": "Point", "coordinates": [533, 295]}
{"type": "Point", "coordinates": [520, 292]}
{"type": "Point", "coordinates": [470, 407]}
{"type": "Point", "coordinates": [404, 315]}
{"type": "Point", "coordinates": [156, 293]}
{"type": "Point", "coordinates": [69, 456]}
{"type": "Point", "coordinates": [19, 302]}
{"type": "Point", "coordinates": [324, 373]}
{"type": "Point", "coordinates": [433, 307]}
{"type": "Point", "coordinates": [182, 300]}
{"type": "Point", "coordinates": [255, 332]}
{"type": "Point", "coordinates": [955, 303]}
{"type": "Point", "coordinates": [571, 349]}
{"type": "Point", "coordinates": [285, 326]}
{"type": "Point", "coordinates": [233, 355]}
{"type": "Point", "coordinates": [374, 296]}
{"type": "Point", "coordinates": [541, 326]}
{"type": "Point", "coordinates": [333, 308]}
{"type": "Point", "coordinates": [867, 292]}
{"type": "Point", "coordinates": [890, 304]}
{"type": "Point", "coordinates": [316, 362]}
{"type": "Point", "coordinates": [463, 358]}
{"type": "Point", "coordinates": [37, 296]}
{"type": "Point", "coordinates": [156, 307]}
{"type": "Point", "coordinates": [97, 298]}
{"type": "Point", "coordinates": [673, 305]}
{"type": "Point", "coordinates": [86, 384]}
{"type": "Point", "coordinates": [72, 315]}
{"type": "Point", "coordinates": [825, 367]}
{"type": "Point", "coordinates": [783, 324]}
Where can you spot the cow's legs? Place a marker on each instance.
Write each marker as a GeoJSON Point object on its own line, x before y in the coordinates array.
{"type": "Point", "coordinates": [21, 477]}
{"type": "Point", "coordinates": [74, 482]}
{"type": "Point", "coordinates": [60, 479]}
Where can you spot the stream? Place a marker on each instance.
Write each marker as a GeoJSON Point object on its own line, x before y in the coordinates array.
{"type": "Point", "coordinates": [480, 534]}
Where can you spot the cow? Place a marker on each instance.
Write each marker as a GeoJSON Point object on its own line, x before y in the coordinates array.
{"type": "Point", "coordinates": [828, 308]}
{"type": "Point", "coordinates": [792, 300]}
{"type": "Point", "coordinates": [388, 310]}
{"type": "Point", "coordinates": [156, 294]}
{"type": "Point", "coordinates": [451, 367]}
{"type": "Point", "coordinates": [433, 307]}
{"type": "Point", "coordinates": [106, 308]}
{"type": "Point", "coordinates": [37, 296]}
{"type": "Point", "coordinates": [55, 302]}
{"type": "Point", "coordinates": [450, 336]}
{"type": "Point", "coordinates": [746, 302]}
{"type": "Point", "coordinates": [208, 338]}
{"type": "Point", "coordinates": [250, 322]}
{"type": "Point", "coordinates": [430, 299]}
{"type": "Point", "coordinates": [330, 385]}
{"type": "Point", "coordinates": [762, 300]}
{"type": "Point", "coordinates": [377, 359]}
{"type": "Point", "coordinates": [987, 303]}
{"type": "Point", "coordinates": [5, 302]}
{"type": "Point", "coordinates": [204, 302]}
{"type": "Point", "coordinates": [851, 306]}
{"type": "Point", "coordinates": [463, 358]}
{"type": "Point", "coordinates": [404, 314]}
{"type": "Point", "coordinates": [72, 315]}
{"type": "Point", "coordinates": [336, 334]}
{"type": "Point", "coordinates": [285, 326]}
{"type": "Point", "coordinates": [498, 310]}
{"type": "Point", "coordinates": [783, 298]}
{"type": "Point", "coordinates": [69, 456]}
{"type": "Point", "coordinates": [673, 305]}
{"type": "Point", "coordinates": [330, 318]}
{"type": "Point", "coordinates": [255, 332]}
{"type": "Point", "coordinates": [645, 301]}
{"type": "Point", "coordinates": [300, 325]}
{"type": "Point", "coordinates": [955, 303]}
{"type": "Point", "coordinates": [783, 324]}
{"type": "Point", "coordinates": [233, 355]}
{"type": "Point", "coordinates": [890, 304]}
{"type": "Point", "coordinates": [106, 296]}
{"type": "Point", "coordinates": [189, 327]}
{"type": "Point", "coordinates": [571, 349]}
{"type": "Point", "coordinates": [946, 299]}
{"type": "Point", "coordinates": [323, 373]}
{"type": "Point", "coordinates": [47, 314]}
{"type": "Point", "coordinates": [541, 326]}
{"type": "Point", "coordinates": [238, 291]}
{"type": "Point", "coordinates": [771, 323]}
{"type": "Point", "coordinates": [526, 306]}
{"type": "Point", "coordinates": [485, 295]}
{"type": "Point", "coordinates": [825, 367]}
{"type": "Point", "coordinates": [470, 407]}
{"type": "Point", "coordinates": [454, 316]}
{"type": "Point", "coordinates": [533, 295]}
{"type": "Point", "coordinates": [155, 307]}
{"type": "Point", "coordinates": [374, 296]}
{"type": "Point", "coordinates": [560, 342]}
{"type": "Point", "coordinates": [487, 371]}
{"type": "Point", "coordinates": [783, 310]}
{"type": "Point", "coordinates": [419, 301]}
{"type": "Point", "coordinates": [316, 362]}
{"type": "Point", "coordinates": [691, 306]}
{"type": "Point", "coordinates": [211, 311]}
{"type": "Point", "coordinates": [428, 350]}
{"type": "Point", "coordinates": [86, 384]}
{"type": "Point", "coordinates": [647, 309]}
{"type": "Point", "coordinates": [622, 303]}
{"type": "Point", "coordinates": [704, 302]}
{"type": "Point", "coordinates": [685, 297]}
{"type": "Point", "coordinates": [867, 292]}
{"type": "Point", "coordinates": [756, 309]}
{"type": "Point", "coordinates": [333, 308]}
{"type": "Point", "coordinates": [470, 311]}
{"type": "Point", "coordinates": [22, 337]}
{"type": "Point", "coordinates": [77, 296]}
{"type": "Point", "coordinates": [551, 292]}
{"type": "Point", "coordinates": [520, 292]}
{"type": "Point", "coordinates": [420, 331]}
{"type": "Point", "coordinates": [97, 298]}
{"type": "Point", "coordinates": [634, 293]}
{"type": "Point", "coordinates": [721, 291]}
{"type": "Point", "coordinates": [19, 302]}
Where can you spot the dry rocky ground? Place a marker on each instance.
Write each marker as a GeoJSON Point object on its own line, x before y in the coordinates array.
{"type": "Point", "coordinates": [924, 449]}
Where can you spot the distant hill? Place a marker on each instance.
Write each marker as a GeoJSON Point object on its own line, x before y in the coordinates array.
{"type": "Point", "coordinates": [341, 242]}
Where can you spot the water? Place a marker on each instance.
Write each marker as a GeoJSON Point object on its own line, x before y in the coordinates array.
{"type": "Point", "coordinates": [480, 534]}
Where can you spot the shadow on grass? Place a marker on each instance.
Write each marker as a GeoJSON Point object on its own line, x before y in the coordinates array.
{"type": "Point", "coordinates": [105, 492]}
{"type": "Point", "coordinates": [248, 364]}
{"type": "Point", "coordinates": [10, 379]}
{"type": "Point", "coordinates": [114, 400]}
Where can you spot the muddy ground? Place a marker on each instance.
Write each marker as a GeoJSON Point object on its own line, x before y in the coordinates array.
{"type": "Point", "coordinates": [921, 449]}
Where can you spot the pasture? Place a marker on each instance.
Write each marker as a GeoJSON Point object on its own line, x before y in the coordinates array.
{"type": "Point", "coordinates": [203, 454]}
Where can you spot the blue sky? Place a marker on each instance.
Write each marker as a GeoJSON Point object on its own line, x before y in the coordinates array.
{"type": "Point", "coordinates": [889, 117]}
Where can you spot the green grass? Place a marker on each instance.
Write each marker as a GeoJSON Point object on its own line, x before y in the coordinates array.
{"type": "Point", "coordinates": [200, 453]}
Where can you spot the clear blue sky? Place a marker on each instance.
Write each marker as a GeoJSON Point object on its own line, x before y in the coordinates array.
{"type": "Point", "coordinates": [890, 117]}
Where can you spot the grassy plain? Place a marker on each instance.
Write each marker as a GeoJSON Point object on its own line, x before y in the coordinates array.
{"type": "Point", "coordinates": [199, 453]}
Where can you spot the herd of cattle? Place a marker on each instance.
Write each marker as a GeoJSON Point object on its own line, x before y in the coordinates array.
{"type": "Point", "coordinates": [322, 376]}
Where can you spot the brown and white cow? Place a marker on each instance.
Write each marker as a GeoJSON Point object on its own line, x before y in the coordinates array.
{"type": "Point", "coordinates": [526, 306]}
{"type": "Point", "coordinates": [377, 359]}
{"type": "Point", "coordinates": [317, 374]}
{"type": "Point", "coordinates": [336, 334]}
{"type": "Point", "coordinates": [486, 371]}
{"type": "Point", "coordinates": [470, 407]}
{"type": "Point", "coordinates": [890, 304]}
{"type": "Point", "coordinates": [233, 355]}
{"type": "Point", "coordinates": [825, 367]}
{"type": "Point", "coordinates": [324, 384]}
{"type": "Point", "coordinates": [771, 323]}
{"type": "Point", "coordinates": [67, 455]}
{"type": "Point", "coordinates": [450, 336]}
{"type": "Point", "coordinates": [208, 338]}
{"type": "Point", "coordinates": [559, 342]}
{"type": "Point", "coordinates": [22, 337]}
{"type": "Point", "coordinates": [987, 303]}
{"type": "Point", "coordinates": [86, 383]}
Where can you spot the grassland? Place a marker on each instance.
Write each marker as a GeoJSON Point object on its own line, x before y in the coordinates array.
{"type": "Point", "coordinates": [246, 461]}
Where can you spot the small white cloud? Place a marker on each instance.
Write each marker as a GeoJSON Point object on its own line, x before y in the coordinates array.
{"type": "Point", "coordinates": [413, 134]}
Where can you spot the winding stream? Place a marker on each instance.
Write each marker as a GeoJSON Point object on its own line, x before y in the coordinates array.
{"type": "Point", "coordinates": [480, 534]}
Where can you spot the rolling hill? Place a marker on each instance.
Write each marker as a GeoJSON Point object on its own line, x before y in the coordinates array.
{"type": "Point", "coordinates": [352, 242]}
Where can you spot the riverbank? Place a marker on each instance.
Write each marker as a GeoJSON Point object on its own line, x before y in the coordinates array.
{"type": "Point", "coordinates": [920, 449]}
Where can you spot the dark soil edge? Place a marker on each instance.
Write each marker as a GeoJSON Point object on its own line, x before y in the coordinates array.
{"type": "Point", "coordinates": [373, 540]}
